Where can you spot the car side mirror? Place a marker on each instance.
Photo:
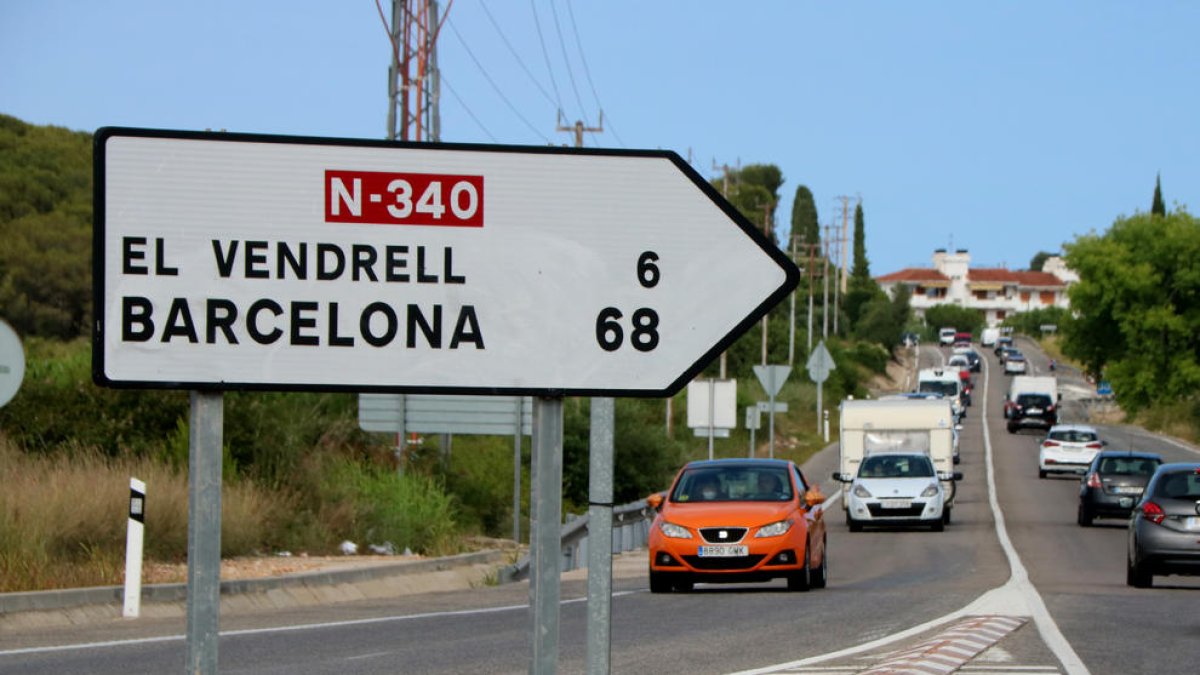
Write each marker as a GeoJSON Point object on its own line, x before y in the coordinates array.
{"type": "Point", "coordinates": [813, 497]}
{"type": "Point", "coordinates": [946, 475]}
{"type": "Point", "coordinates": [841, 477]}
{"type": "Point", "coordinates": [655, 501]}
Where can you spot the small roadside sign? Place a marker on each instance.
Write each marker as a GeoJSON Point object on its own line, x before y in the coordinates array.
{"type": "Point", "coordinates": [820, 363]}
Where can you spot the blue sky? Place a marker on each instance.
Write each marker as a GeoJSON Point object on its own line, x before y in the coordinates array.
{"type": "Point", "coordinates": [1005, 128]}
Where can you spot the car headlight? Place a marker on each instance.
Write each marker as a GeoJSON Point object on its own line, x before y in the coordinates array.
{"type": "Point", "coordinates": [930, 491]}
{"type": "Point", "coordinates": [674, 531]}
{"type": "Point", "coordinates": [860, 491]}
{"type": "Point", "coordinates": [774, 529]}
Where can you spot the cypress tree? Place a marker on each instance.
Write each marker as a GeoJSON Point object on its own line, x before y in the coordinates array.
{"type": "Point", "coordinates": [862, 269]}
{"type": "Point", "coordinates": [1157, 208]}
{"type": "Point", "coordinates": [804, 216]}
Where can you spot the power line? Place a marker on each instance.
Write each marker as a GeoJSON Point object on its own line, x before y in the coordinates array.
{"type": "Point", "coordinates": [562, 45]}
{"type": "Point", "coordinates": [468, 109]}
{"type": "Point", "coordinates": [516, 56]}
{"type": "Point", "coordinates": [588, 72]}
{"type": "Point", "coordinates": [545, 55]}
{"type": "Point", "coordinates": [499, 91]}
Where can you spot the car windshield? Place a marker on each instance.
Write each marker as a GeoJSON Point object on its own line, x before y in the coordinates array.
{"type": "Point", "coordinates": [1073, 436]}
{"type": "Point", "coordinates": [938, 387]}
{"type": "Point", "coordinates": [1128, 466]}
{"type": "Point", "coordinates": [733, 484]}
{"type": "Point", "coordinates": [1179, 485]}
{"type": "Point", "coordinates": [1033, 400]}
{"type": "Point", "coordinates": [896, 466]}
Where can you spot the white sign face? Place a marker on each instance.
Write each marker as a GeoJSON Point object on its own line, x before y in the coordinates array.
{"type": "Point", "coordinates": [712, 403]}
{"type": "Point", "coordinates": [234, 261]}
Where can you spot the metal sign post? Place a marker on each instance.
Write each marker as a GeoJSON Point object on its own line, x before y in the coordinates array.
{"type": "Point", "coordinates": [772, 378]}
{"type": "Point", "coordinates": [545, 533]}
{"type": "Point", "coordinates": [820, 364]}
{"type": "Point", "coordinates": [204, 531]}
{"type": "Point", "coordinates": [600, 535]}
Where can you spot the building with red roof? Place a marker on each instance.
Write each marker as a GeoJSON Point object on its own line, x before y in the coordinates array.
{"type": "Point", "coordinates": [996, 291]}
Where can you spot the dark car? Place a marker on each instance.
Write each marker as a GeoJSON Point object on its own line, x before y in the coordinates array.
{"type": "Point", "coordinates": [1114, 482]}
{"type": "Point", "coordinates": [1003, 342]}
{"type": "Point", "coordinates": [1031, 410]}
{"type": "Point", "coordinates": [1164, 529]}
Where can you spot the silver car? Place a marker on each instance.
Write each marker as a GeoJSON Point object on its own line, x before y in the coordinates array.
{"type": "Point", "coordinates": [1164, 529]}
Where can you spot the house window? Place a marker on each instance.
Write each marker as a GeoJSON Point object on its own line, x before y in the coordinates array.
{"type": "Point", "coordinates": [1000, 314]}
{"type": "Point", "coordinates": [1048, 297]}
{"type": "Point", "coordinates": [918, 290]}
{"type": "Point", "coordinates": [1025, 296]}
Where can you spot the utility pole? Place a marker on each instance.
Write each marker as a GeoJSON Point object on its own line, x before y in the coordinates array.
{"type": "Point", "coordinates": [724, 169]}
{"type": "Point", "coordinates": [838, 245]}
{"type": "Point", "coordinates": [845, 237]}
{"type": "Point", "coordinates": [578, 128]}
{"type": "Point", "coordinates": [825, 292]}
{"type": "Point", "coordinates": [812, 263]}
{"type": "Point", "coordinates": [770, 206]}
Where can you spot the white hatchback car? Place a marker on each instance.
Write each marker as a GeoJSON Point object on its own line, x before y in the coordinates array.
{"type": "Point", "coordinates": [1068, 448]}
{"type": "Point", "coordinates": [895, 488]}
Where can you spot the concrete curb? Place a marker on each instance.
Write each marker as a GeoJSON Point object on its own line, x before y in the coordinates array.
{"type": "Point", "coordinates": [293, 589]}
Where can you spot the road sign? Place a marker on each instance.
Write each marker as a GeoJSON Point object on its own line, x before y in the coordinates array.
{"type": "Point", "coordinates": [12, 363]}
{"type": "Point", "coordinates": [820, 363]}
{"type": "Point", "coordinates": [236, 261]}
{"type": "Point", "coordinates": [772, 378]}
{"type": "Point", "coordinates": [428, 414]}
{"type": "Point", "coordinates": [712, 403]}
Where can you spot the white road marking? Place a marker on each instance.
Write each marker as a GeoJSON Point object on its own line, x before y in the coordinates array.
{"type": "Point", "coordinates": [287, 629]}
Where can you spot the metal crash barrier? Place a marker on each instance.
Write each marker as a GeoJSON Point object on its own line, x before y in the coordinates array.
{"type": "Point", "coordinates": [631, 530]}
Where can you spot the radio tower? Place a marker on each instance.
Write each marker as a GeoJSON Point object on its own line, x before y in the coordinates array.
{"type": "Point", "coordinates": [413, 83]}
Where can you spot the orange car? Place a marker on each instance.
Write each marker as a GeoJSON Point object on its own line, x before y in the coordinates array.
{"type": "Point", "coordinates": [738, 520]}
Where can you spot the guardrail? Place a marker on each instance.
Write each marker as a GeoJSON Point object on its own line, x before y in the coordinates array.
{"type": "Point", "coordinates": [631, 530]}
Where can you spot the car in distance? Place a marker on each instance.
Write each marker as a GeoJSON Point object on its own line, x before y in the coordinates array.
{"type": "Point", "coordinates": [1068, 448]}
{"type": "Point", "coordinates": [737, 520]}
{"type": "Point", "coordinates": [973, 358]}
{"type": "Point", "coordinates": [1114, 482]}
{"type": "Point", "coordinates": [1014, 363]}
{"type": "Point", "coordinates": [1164, 529]}
{"type": "Point", "coordinates": [1033, 408]}
{"type": "Point", "coordinates": [1003, 342]}
{"type": "Point", "coordinates": [896, 488]}
{"type": "Point", "coordinates": [946, 336]}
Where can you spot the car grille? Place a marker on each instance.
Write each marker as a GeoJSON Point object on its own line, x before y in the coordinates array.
{"type": "Point", "coordinates": [877, 511]}
{"type": "Point", "coordinates": [738, 563]}
{"type": "Point", "coordinates": [713, 534]}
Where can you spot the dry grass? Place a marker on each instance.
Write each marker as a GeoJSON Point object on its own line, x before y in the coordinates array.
{"type": "Point", "coordinates": [63, 518]}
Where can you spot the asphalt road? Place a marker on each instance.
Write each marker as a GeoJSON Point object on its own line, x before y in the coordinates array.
{"type": "Point", "coordinates": [881, 583]}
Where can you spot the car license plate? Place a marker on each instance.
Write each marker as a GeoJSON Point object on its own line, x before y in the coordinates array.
{"type": "Point", "coordinates": [1192, 523]}
{"type": "Point", "coordinates": [1034, 411]}
{"type": "Point", "coordinates": [895, 503]}
{"type": "Point", "coordinates": [1126, 502]}
{"type": "Point", "coordinates": [724, 551]}
{"type": "Point", "coordinates": [1127, 490]}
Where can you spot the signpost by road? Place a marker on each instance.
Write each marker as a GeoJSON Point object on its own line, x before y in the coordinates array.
{"type": "Point", "coordinates": [237, 261]}
{"type": "Point", "coordinates": [772, 378]}
{"type": "Point", "coordinates": [820, 365]}
{"type": "Point", "coordinates": [12, 363]}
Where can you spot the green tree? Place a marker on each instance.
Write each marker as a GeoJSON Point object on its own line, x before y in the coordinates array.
{"type": "Point", "coordinates": [862, 268]}
{"type": "Point", "coordinates": [884, 319]}
{"type": "Point", "coordinates": [861, 289]}
{"type": "Point", "coordinates": [804, 216]}
{"type": "Point", "coordinates": [1157, 207]}
{"type": "Point", "coordinates": [1137, 307]}
{"type": "Point", "coordinates": [961, 318]}
{"type": "Point", "coordinates": [754, 191]}
{"type": "Point", "coordinates": [1038, 262]}
{"type": "Point", "coordinates": [45, 224]}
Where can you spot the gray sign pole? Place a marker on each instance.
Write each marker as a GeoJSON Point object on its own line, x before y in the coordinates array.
{"type": "Point", "coordinates": [204, 531]}
{"type": "Point", "coordinates": [545, 533]}
{"type": "Point", "coordinates": [600, 536]}
{"type": "Point", "coordinates": [517, 471]}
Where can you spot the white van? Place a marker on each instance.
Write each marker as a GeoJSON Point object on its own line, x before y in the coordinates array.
{"type": "Point", "coordinates": [988, 338]}
{"type": "Point", "coordinates": [897, 426]}
{"type": "Point", "coordinates": [948, 383]}
{"type": "Point", "coordinates": [946, 336]}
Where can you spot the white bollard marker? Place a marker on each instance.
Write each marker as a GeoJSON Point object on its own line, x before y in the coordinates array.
{"type": "Point", "coordinates": [133, 548]}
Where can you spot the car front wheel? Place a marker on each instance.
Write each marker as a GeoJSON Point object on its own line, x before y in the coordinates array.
{"type": "Point", "coordinates": [801, 580]}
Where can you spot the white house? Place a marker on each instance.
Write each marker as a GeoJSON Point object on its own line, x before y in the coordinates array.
{"type": "Point", "coordinates": [996, 291]}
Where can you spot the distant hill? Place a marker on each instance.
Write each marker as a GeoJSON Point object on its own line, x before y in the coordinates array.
{"type": "Point", "coordinates": [46, 227]}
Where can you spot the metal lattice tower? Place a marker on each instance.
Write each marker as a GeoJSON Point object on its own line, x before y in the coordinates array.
{"type": "Point", "coordinates": [413, 84]}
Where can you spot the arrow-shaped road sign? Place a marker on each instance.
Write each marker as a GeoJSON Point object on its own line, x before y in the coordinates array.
{"type": "Point", "coordinates": [229, 261]}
